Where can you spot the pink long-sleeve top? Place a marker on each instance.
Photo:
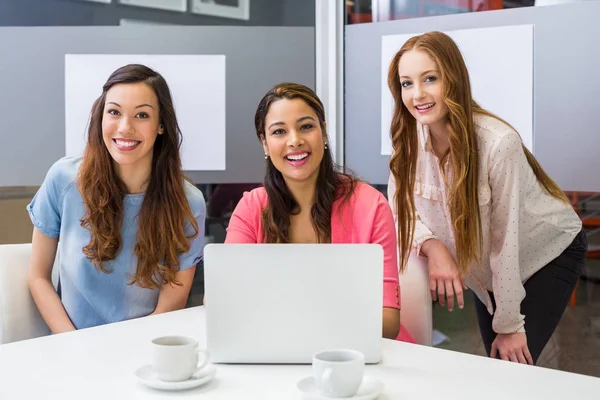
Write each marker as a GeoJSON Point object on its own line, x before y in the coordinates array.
{"type": "Point", "coordinates": [365, 218]}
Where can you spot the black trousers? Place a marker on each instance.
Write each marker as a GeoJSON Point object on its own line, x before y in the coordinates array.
{"type": "Point", "coordinates": [547, 295]}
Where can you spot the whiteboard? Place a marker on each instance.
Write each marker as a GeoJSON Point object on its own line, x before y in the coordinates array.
{"type": "Point", "coordinates": [197, 84]}
{"type": "Point", "coordinates": [500, 64]}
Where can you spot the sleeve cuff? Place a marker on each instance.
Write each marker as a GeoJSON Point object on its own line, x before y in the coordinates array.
{"type": "Point", "coordinates": [43, 228]}
{"type": "Point", "coordinates": [517, 327]}
{"type": "Point", "coordinates": [391, 295]}
{"type": "Point", "coordinates": [418, 243]}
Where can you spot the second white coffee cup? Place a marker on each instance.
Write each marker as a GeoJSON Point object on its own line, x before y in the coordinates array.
{"type": "Point", "coordinates": [338, 373]}
{"type": "Point", "coordinates": [177, 358]}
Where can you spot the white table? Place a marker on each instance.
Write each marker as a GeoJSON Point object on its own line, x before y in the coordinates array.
{"type": "Point", "coordinates": [99, 363]}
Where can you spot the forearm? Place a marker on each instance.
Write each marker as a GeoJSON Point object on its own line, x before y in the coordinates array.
{"type": "Point", "coordinates": [391, 322]}
{"type": "Point", "coordinates": [509, 292]}
{"type": "Point", "coordinates": [168, 307]}
{"type": "Point", "coordinates": [50, 307]}
{"type": "Point", "coordinates": [507, 285]}
{"type": "Point", "coordinates": [172, 296]}
{"type": "Point", "coordinates": [168, 302]}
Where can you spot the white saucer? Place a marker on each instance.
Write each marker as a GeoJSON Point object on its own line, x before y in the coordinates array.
{"type": "Point", "coordinates": [147, 376]}
{"type": "Point", "coordinates": [369, 389]}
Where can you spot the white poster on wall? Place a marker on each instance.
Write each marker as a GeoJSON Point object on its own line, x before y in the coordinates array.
{"type": "Point", "coordinates": [197, 84]}
{"type": "Point", "coordinates": [500, 64]}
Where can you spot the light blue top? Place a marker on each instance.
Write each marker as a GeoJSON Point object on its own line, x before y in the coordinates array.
{"type": "Point", "coordinates": [90, 296]}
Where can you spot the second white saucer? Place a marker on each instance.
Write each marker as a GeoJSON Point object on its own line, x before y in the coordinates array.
{"type": "Point", "coordinates": [148, 377]}
{"type": "Point", "coordinates": [369, 389]}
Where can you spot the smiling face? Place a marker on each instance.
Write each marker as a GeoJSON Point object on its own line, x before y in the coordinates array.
{"type": "Point", "coordinates": [130, 124]}
{"type": "Point", "coordinates": [294, 139]}
{"type": "Point", "coordinates": [422, 88]}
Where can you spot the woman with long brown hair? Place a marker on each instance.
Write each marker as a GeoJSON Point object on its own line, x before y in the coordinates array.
{"type": "Point", "coordinates": [306, 199]}
{"type": "Point", "coordinates": [130, 224]}
{"type": "Point", "coordinates": [472, 199]}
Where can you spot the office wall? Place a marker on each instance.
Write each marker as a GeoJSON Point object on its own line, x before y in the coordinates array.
{"type": "Point", "coordinates": [83, 13]}
{"type": "Point", "coordinates": [32, 96]}
{"type": "Point", "coordinates": [566, 63]}
{"type": "Point", "coordinates": [297, 12]}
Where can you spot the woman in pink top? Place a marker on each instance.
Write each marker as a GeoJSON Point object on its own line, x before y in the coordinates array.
{"type": "Point", "coordinates": [306, 200]}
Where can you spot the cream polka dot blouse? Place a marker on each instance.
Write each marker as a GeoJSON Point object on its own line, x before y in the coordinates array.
{"type": "Point", "coordinates": [524, 227]}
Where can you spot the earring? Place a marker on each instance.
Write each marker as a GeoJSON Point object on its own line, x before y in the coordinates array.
{"type": "Point", "coordinates": [266, 156]}
{"type": "Point", "coordinates": [326, 145]}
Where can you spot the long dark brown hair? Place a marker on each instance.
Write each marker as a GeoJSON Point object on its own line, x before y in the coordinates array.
{"type": "Point", "coordinates": [464, 158]}
{"type": "Point", "coordinates": [165, 210]}
{"type": "Point", "coordinates": [332, 183]}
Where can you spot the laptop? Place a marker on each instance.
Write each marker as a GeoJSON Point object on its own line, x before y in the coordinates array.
{"type": "Point", "coordinates": [281, 303]}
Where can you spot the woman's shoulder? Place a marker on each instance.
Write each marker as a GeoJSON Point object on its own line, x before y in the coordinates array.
{"type": "Point", "coordinates": [496, 136]}
{"type": "Point", "coordinates": [256, 198]}
{"type": "Point", "coordinates": [250, 207]}
{"type": "Point", "coordinates": [366, 194]}
{"type": "Point", "coordinates": [492, 126]}
{"type": "Point", "coordinates": [364, 200]}
{"type": "Point", "coordinates": [195, 198]}
{"type": "Point", "coordinates": [63, 172]}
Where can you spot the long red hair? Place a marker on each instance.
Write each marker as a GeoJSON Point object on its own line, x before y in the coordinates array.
{"type": "Point", "coordinates": [463, 153]}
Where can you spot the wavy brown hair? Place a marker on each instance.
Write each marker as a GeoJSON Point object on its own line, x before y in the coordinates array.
{"type": "Point", "coordinates": [463, 190]}
{"type": "Point", "coordinates": [165, 210]}
{"type": "Point", "coordinates": [332, 183]}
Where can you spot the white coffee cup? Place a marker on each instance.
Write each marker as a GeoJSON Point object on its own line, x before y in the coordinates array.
{"type": "Point", "coordinates": [338, 373]}
{"type": "Point", "coordinates": [175, 358]}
